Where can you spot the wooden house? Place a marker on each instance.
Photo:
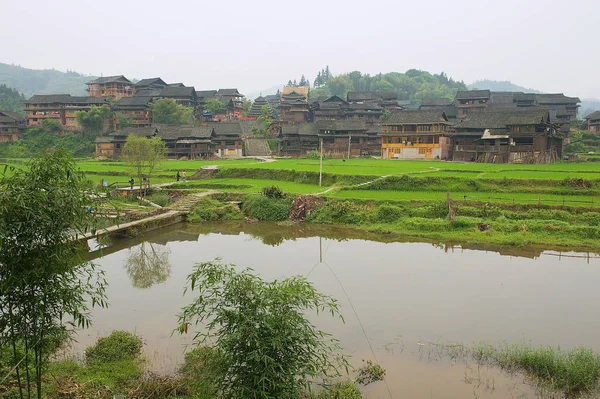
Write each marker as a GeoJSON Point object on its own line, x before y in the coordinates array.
{"type": "Point", "coordinates": [415, 135]}
{"type": "Point", "coordinates": [183, 95]}
{"type": "Point", "coordinates": [471, 102]}
{"type": "Point", "coordinates": [12, 125]}
{"type": "Point", "coordinates": [145, 85]}
{"type": "Point", "coordinates": [227, 139]}
{"type": "Point", "coordinates": [507, 136]}
{"type": "Point", "coordinates": [329, 108]}
{"type": "Point", "coordinates": [181, 141]}
{"type": "Point", "coordinates": [592, 122]}
{"type": "Point", "coordinates": [564, 107]}
{"type": "Point", "coordinates": [233, 96]}
{"type": "Point", "coordinates": [341, 138]}
{"type": "Point", "coordinates": [111, 86]}
{"type": "Point", "coordinates": [293, 107]}
{"type": "Point", "coordinates": [60, 107]}
{"type": "Point", "coordinates": [136, 109]}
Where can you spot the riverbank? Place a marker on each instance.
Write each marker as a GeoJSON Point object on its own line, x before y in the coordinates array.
{"type": "Point", "coordinates": [560, 228]}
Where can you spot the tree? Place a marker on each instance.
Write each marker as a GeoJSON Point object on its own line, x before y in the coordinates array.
{"type": "Point", "coordinates": [92, 121]}
{"type": "Point", "coordinates": [142, 155]}
{"type": "Point", "coordinates": [303, 81]}
{"type": "Point", "coordinates": [148, 264]}
{"type": "Point", "coordinates": [44, 281]}
{"type": "Point", "coordinates": [290, 83]}
{"type": "Point", "coordinates": [123, 120]}
{"type": "Point", "coordinates": [11, 100]}
{"type": "Point", "coordinates": [214, 106]}
{"type": "Point", "coordinates": [246, 105]}
{"type": "Point", "coordinates": [167, 111]}
{"type": "Point", "coordinates": [265, 343]}
{"type": "Point", "coordinates": [51, 125]}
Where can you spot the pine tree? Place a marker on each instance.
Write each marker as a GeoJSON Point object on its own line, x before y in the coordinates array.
{"type": "Point", "coordinates": [302, 81]}
{"type": "Point", "coordinates": [318, 80]}
{"type": "Point", "coordinates": [295, 83]}
{"type": "Point", "coordinates": [327, 73]}
{"type": "Point", "coordinates": [290, 83]}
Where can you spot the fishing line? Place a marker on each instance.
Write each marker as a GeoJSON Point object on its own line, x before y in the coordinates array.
{"type": "Point", "coordinates": [360, 323]}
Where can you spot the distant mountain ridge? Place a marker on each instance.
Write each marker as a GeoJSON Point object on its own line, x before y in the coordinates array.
{"type": "Point", "coordinates": [497, 85]}
{"type": "Point", "coordinates": [43, 81]}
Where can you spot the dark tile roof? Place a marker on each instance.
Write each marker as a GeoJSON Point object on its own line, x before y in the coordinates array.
{"type": "Point", "coordinates": [341, 125]}
{"type": "Point", "coordinates": [170, 91]}
{"type": "Point", "coordinates": [229, 92]}
{"type": "Point", "coordinates": [65, 99]}
{"type": "Point", "coordinates": [103, 139]}
{"type": "Point", "coordinates": [175, 85]}
{"type": "Point", "coordinates": [12, 115]}
{"type": "Point", "coordinates": [324, 106]}
{"type": "Point", "coordinates": [226, 128]}
{"type": "Point", "coordinates": [524, 97]}
{"type": "Point", "coordinates": [150, 81]}
{"type": "Point", "coordinates": [148, 92]}
{"type": "Point", "coordinates": [469, 94]}
{"type": "Point", "coordinates": [364, 106]}
{"type": "Point", "coordinates": [111, 79]}
{"type": "Point", "coordinates": [416, 117]}
{"type": "Point", "coordinates": [48, 99]}
{"type": "Point", "coordinates": [593, 116]}
{"type": "Point", "coordinates": [556, 98]}
{"type": "Point", "coordinates": [503, 97]}
{"type": "Point", "coordinates": [502, 119]}
{"type": "Point", "coordinates": [354, 96]}
{"type": "Point", "coordinates": [335, 99]}
{"type": "Point", "coordinates": [205, 93]}
{"type": "Point", "coordinates": [436, 102]}
{"type": "Point", "coordinates": [133, 101]}
{"type": "Point", "coordinates": [168, 132]}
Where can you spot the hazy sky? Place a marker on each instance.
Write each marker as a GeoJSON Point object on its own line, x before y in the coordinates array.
{"type": "Point", "coordinates": [547, 45]}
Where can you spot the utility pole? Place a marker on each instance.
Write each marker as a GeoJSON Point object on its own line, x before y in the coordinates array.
{"type": "Point", "coordinates": [321, 162]}
{"type": "Point", "coordinates": [349, 141]}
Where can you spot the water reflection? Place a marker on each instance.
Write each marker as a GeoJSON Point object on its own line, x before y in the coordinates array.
{"type": "Point", "coordinates": [148, 264]}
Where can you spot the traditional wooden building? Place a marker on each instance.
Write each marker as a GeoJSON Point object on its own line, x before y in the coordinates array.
{"type": "Point", "coordinates": [565, 109]}
{"type": "Point", "coordinates": [293, 107]}
{"type": "Point", "coordinates": [111, 86]}
{"type": "Point", "coordinates": [415, 135]}
{"type": "Point", "coordinates": [333, 107]}
{"type": "Point", "coordinates": [233, 95]}
{"type": "Point", "coordinates": [592, 122]}
{"type": "Point", "coordinates": [227, 139]}
{"type": "Point", "coordinates": [60, 107]}
{"type": "Point", "coordinates": [183, 95]}
{"type": "Point", "coordinates": [471, 101]}
{"type": "Point", "coordinates": [145, 85]}
{"type": "Point", "coordinates": [507, 136]}
{"type": "Point", "coordinates": [341, 138]}
{"type": "Point", "coordinates": [12, 125]}
{"type": "Point", "coordinates": [182, 141]}
{"type": "Point", "coordinates": [136, 109]}
{"type": "Point", "coordinates": [257, 107]}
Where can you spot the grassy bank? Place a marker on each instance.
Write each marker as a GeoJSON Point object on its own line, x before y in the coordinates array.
{"type": "Point", "coordinates": [474, 222]}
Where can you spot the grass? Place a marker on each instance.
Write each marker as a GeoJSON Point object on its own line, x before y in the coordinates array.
{"type": "Point", "coordinates": [573, 372]}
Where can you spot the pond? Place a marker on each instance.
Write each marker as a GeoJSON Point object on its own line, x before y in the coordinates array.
{"type": "Point", "coordinates": [398, 299]}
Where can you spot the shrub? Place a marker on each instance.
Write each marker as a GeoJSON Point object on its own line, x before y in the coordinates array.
{"type": "Point", "coordinates": [161, 199]}
{"type": "Point", "coordinates": [267, 209]}
{"type": "Point", "coordinates": [267, 348]}
{"type": "Point", "coordinates": [341, 390]}
{"type": "Point", "coordinates": [209, 210]}
{"type": "Point", "coordinates": [273, 192]}
{"type": "Point", "coordinates": [388, 213]}
{"type": "Point", "coordinates": [119, 345]}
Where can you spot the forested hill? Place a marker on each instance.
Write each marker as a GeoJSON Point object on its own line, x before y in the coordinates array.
{"type": "Point", "coordinates": [411, 85]}
{"type": "Point", "coordinates": [496, 85]}
{"type": "Point", "coordinates": [11, 100]}
{"type": "Point", "coordinates": [43, 81]}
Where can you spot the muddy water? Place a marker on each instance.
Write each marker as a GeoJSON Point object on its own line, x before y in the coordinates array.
{"type": "Point", "coordinates": [406, 295]}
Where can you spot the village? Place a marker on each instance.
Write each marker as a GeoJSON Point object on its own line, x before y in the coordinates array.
{"type": "Point", "coordinates": [474, 126]}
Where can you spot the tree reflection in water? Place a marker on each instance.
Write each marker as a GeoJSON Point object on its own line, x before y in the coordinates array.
{"type": "Point", "coordinates": [148, 264]}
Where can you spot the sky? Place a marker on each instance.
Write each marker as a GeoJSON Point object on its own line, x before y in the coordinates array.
{"type": "Point", "coordinates": [546, 45]}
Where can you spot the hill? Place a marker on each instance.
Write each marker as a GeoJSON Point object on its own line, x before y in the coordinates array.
{"type": "Point", "coordinates": [410, 85]}
{"type": "Point", "coordinates": [496, 85]}
{"type": "Point", "coordinates": [43, 81]}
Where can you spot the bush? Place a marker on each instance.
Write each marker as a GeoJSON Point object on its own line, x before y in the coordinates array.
{"type": "Point", "coordinates": [341, 390]}
{"type": "Point", "coordinates": [388, 213]}
{"type": "Point", "coordinates": [161, 199]}
{"type": "Point", "coordinates": [210, 210]}
{"type": "Point", "coordinates": [273, 192]}
{"type": "Point", "coordinates": [266, 209]}
{"type": "Point", "coordinates": [119, 345]}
